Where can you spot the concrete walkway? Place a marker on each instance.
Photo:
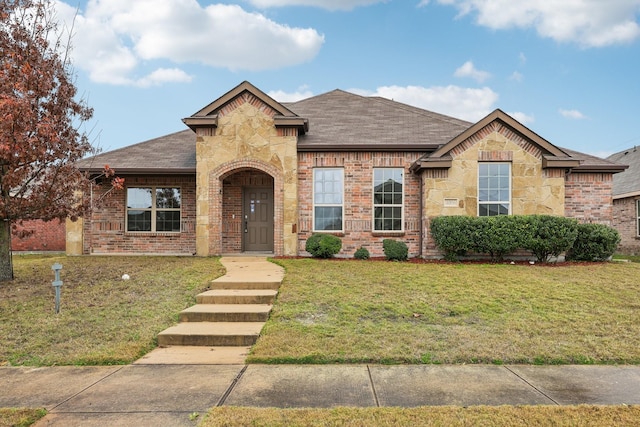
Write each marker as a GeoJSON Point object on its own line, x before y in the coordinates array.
{"type": "Point", "coordinates": [166, 395]}
{"type": "Point", "coordinates": [226, 320]}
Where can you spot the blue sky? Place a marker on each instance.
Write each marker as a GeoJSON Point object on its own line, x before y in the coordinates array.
{"type": "Point", "coordinates": [568, 70]}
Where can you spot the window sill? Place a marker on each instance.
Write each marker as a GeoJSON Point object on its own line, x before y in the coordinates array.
{"type": "Point", "coordinates": [333, 233]}
{"type": "Point", "coordinates": [151, 233]}
{"type": "Point", "coordinates": [388, 233]}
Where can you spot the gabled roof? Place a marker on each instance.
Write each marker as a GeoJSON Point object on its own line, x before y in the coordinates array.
{"type": "Point", "coordinates": [208, 116]}
{"type": "Point", "coordinates": [168, 155]}
{"type": "Point", "coordinates": [343, 121]}
{"type": "Point", "coordinates": [552, 155]}
{"type": "Point", "coordinates": [627, 183]}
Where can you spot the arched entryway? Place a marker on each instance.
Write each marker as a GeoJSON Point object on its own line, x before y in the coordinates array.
{"type": "Point", "coordinates": [248, 207]}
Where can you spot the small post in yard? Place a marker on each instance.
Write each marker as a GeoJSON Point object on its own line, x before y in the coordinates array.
{"type": "Point", "coordinates": [57, 284]}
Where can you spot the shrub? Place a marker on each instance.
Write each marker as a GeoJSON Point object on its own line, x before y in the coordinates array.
{"type": "Point", "coordinates": [453, 235]}
{"type": "Point", "coordinates": [395, 250]}
{"type": "Point", "coordinates": [550, 236]}
{"type": "Point", "coordinates": [323, 245]}
{"type": "Point", "coordinates": [499, 235]}
{"type": "Point", "coordinates": [362, 253]}
{"type": "Point", "coordinates": [594, 242]}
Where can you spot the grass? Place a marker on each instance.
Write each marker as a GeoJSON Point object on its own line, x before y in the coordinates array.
{"type": "Point", "coordinates": [20, 417]}
{"type": "Point", "coordinates": [381, 312]}
{"type": "Point", "coordinates": [631, 258]}
{"type": "Point", "coordinates": [556, 416]}
{"type": "Point", "coordinates": [103, 319]}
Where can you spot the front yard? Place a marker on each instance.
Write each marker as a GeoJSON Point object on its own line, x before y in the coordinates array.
{"type": "Point", "coordinates": [381, 312]}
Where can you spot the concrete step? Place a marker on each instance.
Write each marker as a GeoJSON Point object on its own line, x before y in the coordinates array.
{"type": "Point", "coordinates": [243, 284]}
{"type": "Point", "coordinates": [237, 296]}
{"type": "Point", "coordinates": [226, 313]}
{"type": "Point", "coordinates": [195, 355]}
{"type": "Point", "coordinates": [212, 334]}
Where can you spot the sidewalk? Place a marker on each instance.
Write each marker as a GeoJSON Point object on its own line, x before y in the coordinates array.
{"type": "Point", "coordinates": [167, 394]}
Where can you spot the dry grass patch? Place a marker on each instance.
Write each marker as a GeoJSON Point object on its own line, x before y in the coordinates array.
{"type": "Point", "coordinates": [382, 312]}
{"type": "Point", "coordinates": [557, 416]}
{"type": "Point", "coordinates": [20, 417]}
{"type": "Point", "coordinates": [103, 319]}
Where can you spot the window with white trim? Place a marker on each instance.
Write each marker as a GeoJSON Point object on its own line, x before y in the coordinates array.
{"type": "Point", "coordinates": [494, 189]}
{"type": "Point", "coordinates": [153, 209]}
{"type": "Point", "coordinates": [388, 199]}
{"type": "Point", "coordinates": [328, 190]}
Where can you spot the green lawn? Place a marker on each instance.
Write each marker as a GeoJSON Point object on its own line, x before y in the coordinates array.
{"type": "Point", "coordinates": [103, 319]}
{"type": "Point", "coordinates": [332, 311]}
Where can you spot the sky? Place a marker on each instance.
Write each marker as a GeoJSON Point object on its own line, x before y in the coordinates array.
{"type": "Point", "coordinates": [569, 70]}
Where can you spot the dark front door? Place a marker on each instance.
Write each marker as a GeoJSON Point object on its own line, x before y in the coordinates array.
{"type": "Point", "coordinates": [258, 219]}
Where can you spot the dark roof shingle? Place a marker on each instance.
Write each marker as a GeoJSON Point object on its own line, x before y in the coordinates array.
{"type": "Point", "coordinates": [627, 182]}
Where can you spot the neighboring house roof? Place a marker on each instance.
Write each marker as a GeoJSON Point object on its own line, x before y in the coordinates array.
{"type": "Point", "coordinates": [627, 184]}
{"type": "Point", "coordinates": [338, 121]}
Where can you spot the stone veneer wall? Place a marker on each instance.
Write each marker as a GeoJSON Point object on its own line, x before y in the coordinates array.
{"type": "Point", "coordinates": [358, 199]}
{"type": "Point", "coordinates": [454, 191]}
{"type": "Point", "coordinates": [245, 138]}
{"type": "Point", "coordinates": [589, 197]}
{"type": "Point", "coordinates": [625, 220]}
{"type": "Point", "coordinates": [104, 231]}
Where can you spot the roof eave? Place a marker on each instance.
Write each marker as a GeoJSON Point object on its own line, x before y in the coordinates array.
{"type": "Point", "coordinates": [323, 148]}
{"type": "Point", "coordinates": [143, 171]}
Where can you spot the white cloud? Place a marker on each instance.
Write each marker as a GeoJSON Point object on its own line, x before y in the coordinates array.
{"type": "Point", "coordinates": [324, 4]}
{"type": "Point", "coordinates": [164, 75]}
{"type": "Point", "coordinates": [469, 70]}
{"type": "Point", "coordinates": [303, 92]}
{"type": "Point", "coordinates": [589, 23]}
{"type": "Point", "coordinates": [463, 103]}
{"type": "Point", "coordinates": [115, 39]}
{"type": "Point", "coordinates": [523, 118]}
{"type": "Point", "coordinates": [516, 76]}
{"type": "Point", "coordinates": [572, 114]}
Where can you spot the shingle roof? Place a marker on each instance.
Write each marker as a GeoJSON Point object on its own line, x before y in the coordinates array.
{"type": "Point", "coordinates": [627, 182]}
{"type": "Point", "coordinates": [338, 121]}
{"type": "Point", "coordinates": [169, 154]}
{"type": "Point", "coordinates": [589, 163]}
{"type": "Point", "coordinates": [344, 121]}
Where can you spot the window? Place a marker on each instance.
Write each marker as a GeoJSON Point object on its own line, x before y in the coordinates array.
{"type": "Point", "coordinates": [154, 209]}
{"type": "Point", "coordinates": [494, 189]}
{"type": "Point", "coordinates": [387, 199]}
{"type": "Point", "coordinates": [328, 187]}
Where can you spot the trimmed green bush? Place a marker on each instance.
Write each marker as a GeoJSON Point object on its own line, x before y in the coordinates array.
{"type": "Point", "coordinates": [544, 235]}
{"type": "Point", "coordinates": [594, 242]}
{"type": "Point", "coordinates": [362, 253]}
{"type": "Point", "coordinates": [395, 250]}
{"type": "Point", "coordinates": [499, 235]}
{"type": "Point", "coordinates": [550, 236]}
{"type": "Point", "coordinates": [453, 235]}
{"type": "Point", "coordinates": [321, 245]}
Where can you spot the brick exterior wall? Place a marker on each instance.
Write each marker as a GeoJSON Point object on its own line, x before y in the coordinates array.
{"type": "Point", "coordinates": [46, 236]}
{"type": "Point", "coordinates": [588, 197]}
{"type": "Point", "coordinates": [105, 229]}
{"type": "Point", "coordinates": [358, 200]}
{"type": "Point", "coordinates": [625, 220]}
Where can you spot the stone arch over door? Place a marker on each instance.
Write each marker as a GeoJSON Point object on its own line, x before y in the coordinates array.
{"type": "Point", "coordinates": [217, 198]}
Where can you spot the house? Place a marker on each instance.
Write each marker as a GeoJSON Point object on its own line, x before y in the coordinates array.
{"type": "Point", "coordinates": [254, 175]}
{"type": "Point", "coordinates": [626, 201]}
